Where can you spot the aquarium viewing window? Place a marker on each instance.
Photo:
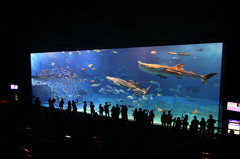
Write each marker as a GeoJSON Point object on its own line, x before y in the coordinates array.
{"type": "Point", "coordinates": [184, 79]}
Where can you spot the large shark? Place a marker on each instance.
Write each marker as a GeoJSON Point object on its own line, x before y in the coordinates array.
{"type": "Point", "coordinates": [177, 71]}
{"type": "Point", "coordinates": [129, 85]}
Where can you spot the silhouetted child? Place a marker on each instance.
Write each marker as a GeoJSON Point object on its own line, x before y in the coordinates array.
{"type": "Point", "coordinates": [178, 125]}
{"type": "Point", "coordinates": [85, 107]}
{"type": "Point", "coordinates": [169, 119]}
{"type": "Point", "coordinates": [210, 125]}
{"type": "Point", "coordinates": [92, 108]}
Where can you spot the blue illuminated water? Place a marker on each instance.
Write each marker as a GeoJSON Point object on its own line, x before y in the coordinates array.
{"type": "Point", "coordinates": [81, 76]}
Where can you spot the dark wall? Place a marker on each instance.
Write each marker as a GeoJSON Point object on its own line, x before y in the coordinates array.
{"type": "Point", "coordinates": [232, 82]}
{"type": "Point", "coordinates": [15, 69]}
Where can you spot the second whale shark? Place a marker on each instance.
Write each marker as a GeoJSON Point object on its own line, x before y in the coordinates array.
{"type": "Point", "coordinates": [130, 85]}
{"type": "Point", "coordinates": [177, 71]}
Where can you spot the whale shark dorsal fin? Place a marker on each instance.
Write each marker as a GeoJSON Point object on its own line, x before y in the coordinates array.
{"type": "Point", "coordinates": [131, 81]}
{"type": "Point", "coordinates": [179, 66]}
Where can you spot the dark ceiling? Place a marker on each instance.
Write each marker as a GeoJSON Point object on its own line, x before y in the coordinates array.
{"type": "Point", "coordinates": [112, 24]}
{"type": "Point", "coordinates": [105, 24]}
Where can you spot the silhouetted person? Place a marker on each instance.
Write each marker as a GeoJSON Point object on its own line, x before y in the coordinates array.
{"type": "Point", "coordinates": [144, 117]}
{"type": "Point", "coordinates": [151, 117]}
{"type": "Point", "coordinates": [178, 125]}
{"type": "Point", "coordinates": [185, 123]}
{"type": "Point", "coordinates": [169, 119]}
{"type": "Point", "coordinates": [124, 114]}
{"type": "Point", "coordinates": [113, 112]}
{"type": "Point", "coordinates": [61, 104]}
{"type": "Point", "coordinates": [49, 102]}
{"type": "Point", "coordinates": [135, 115]}
{"type": "Point", "coordinates": [231, 133]}
{"type": "Point", "coordinates": [53, 101]}
{"type": "Point", "coordinates": [85, 107]}
{"type": "Point", "coordinates": [37, 103]}
{"type": "Point", "coordinates": [100, 110]}
{"type": "Point", "coordinates": [74, 107]}
{"type": "Point", "coordinates": [117, 111]}
{"type": "Point", "coordinates": [210, 125]}
{"type": "Point", "coordinates": [92, 108]}
{"type": "Point", "coordinates": [139, 117]}
{"type": "Point", "coordinates": [164, 119]}
{"type": "Point", "coordinates": [106, 109]}
{"type": "Point", "coordinates": [202, 126]}
{"type": "Point", "coordinates": [69, 108]}
{"type": "Point", "coordinates": [194, 125]}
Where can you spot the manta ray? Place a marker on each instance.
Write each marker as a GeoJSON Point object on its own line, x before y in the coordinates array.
{"type": "Point", "coordinates": [163, 71]}
{"type": "Point", "coordinates": [196, 112]}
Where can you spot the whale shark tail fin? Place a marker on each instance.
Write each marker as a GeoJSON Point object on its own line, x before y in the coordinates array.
{"type": "Point", "coordinates": [145, 90]}
{"type": "Point", "coordinates": [205, 77]}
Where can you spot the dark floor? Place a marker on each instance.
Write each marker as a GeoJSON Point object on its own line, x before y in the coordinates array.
{"type": "Point", "coordinates": [46, 134]}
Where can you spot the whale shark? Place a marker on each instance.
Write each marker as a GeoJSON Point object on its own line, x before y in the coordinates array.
{"type": "Point", "coordinates": [163, 71]}
{"type": "Point", "coordinates": [129, 85]}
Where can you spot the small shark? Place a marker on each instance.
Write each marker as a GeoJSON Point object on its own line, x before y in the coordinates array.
{"type": "Point", "coordinates": [129, 85]}
{"type": "Point", "coordinates": [177, 71]}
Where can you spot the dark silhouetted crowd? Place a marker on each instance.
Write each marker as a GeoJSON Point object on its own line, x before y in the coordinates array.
{"type": "Point", "coordinates": [142, 118]}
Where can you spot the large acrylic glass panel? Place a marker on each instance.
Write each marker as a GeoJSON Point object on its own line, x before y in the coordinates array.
{"type": "Point", "coordinates": [182, 78]}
